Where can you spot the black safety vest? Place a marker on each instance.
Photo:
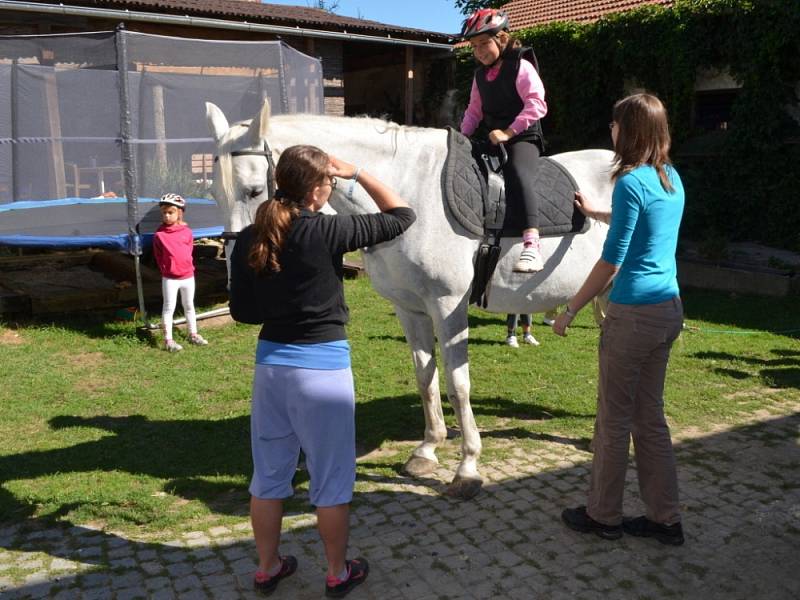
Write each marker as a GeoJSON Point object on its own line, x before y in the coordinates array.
{"type": "Point", "coordinates": [499, 98]}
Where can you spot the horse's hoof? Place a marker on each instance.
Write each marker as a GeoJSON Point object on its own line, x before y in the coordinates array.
{"type": "Point", "coordinates": [463, 488]}
{"type": "Point", "coordinates": [417, 466]}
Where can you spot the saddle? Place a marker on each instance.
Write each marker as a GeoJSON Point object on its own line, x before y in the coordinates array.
{"type": "Point", "coordinates": [474, 193]}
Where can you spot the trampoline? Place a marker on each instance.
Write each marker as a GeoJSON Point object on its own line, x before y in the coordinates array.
{"type": "Point", "coordinates": [95, 222]}
{"type": "Point", "coordinates": [123, 114]}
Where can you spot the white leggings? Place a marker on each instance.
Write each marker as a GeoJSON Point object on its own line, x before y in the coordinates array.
{"type": "Point", "coordinates": [169, 289]}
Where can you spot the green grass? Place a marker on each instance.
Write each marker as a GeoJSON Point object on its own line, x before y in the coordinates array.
{"type": "Point", "coordinates": [99, 427]}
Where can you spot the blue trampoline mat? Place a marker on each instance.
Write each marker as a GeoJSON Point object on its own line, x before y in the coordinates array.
{"type": "Point", "coordinates": [95, 222]}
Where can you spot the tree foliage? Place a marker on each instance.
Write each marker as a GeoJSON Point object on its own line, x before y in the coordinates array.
{"type": "Point", "coordinates": [738, 189]}
{"type": "Point", "coordinates": [328, 5]}
{"type": "Point", "coordinates": [467, 7]}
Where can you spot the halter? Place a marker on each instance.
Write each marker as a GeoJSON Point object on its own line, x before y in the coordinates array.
{"type": "Point", "coordinates": [267, 153]}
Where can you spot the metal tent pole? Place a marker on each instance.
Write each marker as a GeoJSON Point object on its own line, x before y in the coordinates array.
{"type": "Point", "coordinates": [209, 314]}
{"type": "Point", "coordinates": [282, 80]}
{"type": "Point", "coordinates": [129, 163]}
{"type": "Point", "coordinates": [14, 128]}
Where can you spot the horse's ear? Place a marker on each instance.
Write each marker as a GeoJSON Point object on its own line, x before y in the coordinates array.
{"type": "Point", "coordinates": [217, 123]}
{"type": "Point", "coordinates": [260, 124]}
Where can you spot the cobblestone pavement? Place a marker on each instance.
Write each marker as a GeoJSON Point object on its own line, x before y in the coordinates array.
{"type": "Point", "coordinates": [740, 488]}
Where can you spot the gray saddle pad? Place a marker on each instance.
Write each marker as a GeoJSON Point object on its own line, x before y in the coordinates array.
{"type": "Point", "coordinates": [465, 193]}
{"type": "Point", "coordinates": [463, 184]}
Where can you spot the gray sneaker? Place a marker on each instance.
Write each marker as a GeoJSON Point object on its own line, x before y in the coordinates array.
{"type": "Point", "coordinates": [172, 346]}
{"type": "Point", "coordinates": [529, 261]}
{"type": "Point", "coordinates": [529, 339]}
{"type": "Point", "coordinates": [198, 340]}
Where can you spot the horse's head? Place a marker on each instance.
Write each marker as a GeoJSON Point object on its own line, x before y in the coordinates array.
{"type": "Point", "coordinates": [243, 165]}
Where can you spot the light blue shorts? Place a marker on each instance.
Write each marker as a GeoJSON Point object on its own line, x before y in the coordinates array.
{"type": "Point", "coordinates": [312, 409]}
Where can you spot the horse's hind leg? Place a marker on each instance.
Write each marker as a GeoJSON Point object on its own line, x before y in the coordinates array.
{"type": "Point", "coordinates": [452, 329]}
{"type": "Point", "coordinates": [419, 334]}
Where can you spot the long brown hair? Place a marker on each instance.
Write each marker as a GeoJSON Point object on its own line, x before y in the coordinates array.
{"type": "Point", "coordinates": [642, 136]}
{"type": "Point", "coordinates": [299, 170]}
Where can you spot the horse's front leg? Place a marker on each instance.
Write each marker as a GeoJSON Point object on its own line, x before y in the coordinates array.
{"type": "Point", "coordinates": [419, 334]}
{"type": "Point", "coordinates": [452, 329]}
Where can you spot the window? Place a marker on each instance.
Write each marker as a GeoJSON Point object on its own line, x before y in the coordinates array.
{"type": "Point", "coordinates": [713, 109]}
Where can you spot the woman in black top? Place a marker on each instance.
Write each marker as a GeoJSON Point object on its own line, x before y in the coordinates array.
{"type": "Point", "coordinates": [286, 275]}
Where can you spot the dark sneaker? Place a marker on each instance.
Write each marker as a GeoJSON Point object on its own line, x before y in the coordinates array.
{"type": "Point", "coordinates": [357, 571]}
{"type": "Point", "coordinates": [578, 520]}
{"type": "Point", "coordinates": [265, 587]}
{"type": "Point", "coordinates": [672, 535]}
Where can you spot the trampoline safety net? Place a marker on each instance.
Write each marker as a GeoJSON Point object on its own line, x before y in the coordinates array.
{"type": "Point", "coordinates": [95, 126]}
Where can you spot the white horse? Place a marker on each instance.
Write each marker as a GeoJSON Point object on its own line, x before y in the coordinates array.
{"type": "Point", "coordinates": [427, 272]}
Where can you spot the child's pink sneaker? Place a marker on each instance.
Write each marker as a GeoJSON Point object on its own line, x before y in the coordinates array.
{"type": "Point", "coordinates": [197, 340]}
{"type": "Point", "coordinates": [172, 346]}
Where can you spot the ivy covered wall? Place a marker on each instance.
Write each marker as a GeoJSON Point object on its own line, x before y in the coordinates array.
{"type": "Point", "coordinates": [744, 183]}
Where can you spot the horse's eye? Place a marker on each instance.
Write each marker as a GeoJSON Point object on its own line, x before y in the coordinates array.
{"type": "Point", "coordinates": [255, 192]}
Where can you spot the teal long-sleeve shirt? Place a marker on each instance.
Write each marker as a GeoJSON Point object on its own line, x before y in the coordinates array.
{"type": "Point", "coordinates": [643, 237]}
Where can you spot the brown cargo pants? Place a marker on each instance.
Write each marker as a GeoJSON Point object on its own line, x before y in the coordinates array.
{"type": "Point", "coordinates": [634, 350]}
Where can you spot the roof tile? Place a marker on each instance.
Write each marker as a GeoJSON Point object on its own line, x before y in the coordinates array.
{"type": "Point", "coordinates": [256, 12]}
{"type": "Point", "coordinates": [528, 13]}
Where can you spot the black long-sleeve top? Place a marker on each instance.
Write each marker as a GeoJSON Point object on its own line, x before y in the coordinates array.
{"type": "Point", "coordinates": [304, 302]}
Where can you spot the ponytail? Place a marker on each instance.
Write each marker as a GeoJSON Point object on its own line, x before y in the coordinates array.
{"type": "Point", "coordinates": [271, 225]}
{"type": "Point", "coordinates": [299, 170]}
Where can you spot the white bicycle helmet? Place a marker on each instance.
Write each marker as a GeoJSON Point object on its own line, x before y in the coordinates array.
{"type": "Point", "coordinates": [172, 200]}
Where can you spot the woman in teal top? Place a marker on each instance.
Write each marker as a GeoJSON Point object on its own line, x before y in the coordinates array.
{"type": "Point", "coordinates": [643, 319]}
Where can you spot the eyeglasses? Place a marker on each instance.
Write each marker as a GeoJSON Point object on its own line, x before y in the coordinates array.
{"type": "Point", "coordinates": [332, 183]}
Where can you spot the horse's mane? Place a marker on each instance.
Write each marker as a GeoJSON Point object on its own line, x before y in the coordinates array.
{"type": "Point", "coordinates": [226, 160]}
{"type": "Point", "coordinates": [365, 123]}
{"type": "Point", "coordinates": [239, 129]}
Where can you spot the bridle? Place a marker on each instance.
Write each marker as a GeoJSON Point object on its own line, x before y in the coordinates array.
{"type": "Point", "coordinates": [267, 153]}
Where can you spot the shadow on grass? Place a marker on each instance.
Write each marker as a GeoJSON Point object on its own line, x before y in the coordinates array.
{"type": "Point", "coordinates": [101, 324]}
{"type": "Point", "coordinates": [183, 452]}
{"type": "Point", "coordinates": [189, 453]}
{"type": "Point", "coordinates": [763, 530]}
{"type": "Point", "coordinates": [782, 372]}
{"type": "Point", "coordinates": [527, 410]}
{"type": "Point", "coordinates": [579, 443]}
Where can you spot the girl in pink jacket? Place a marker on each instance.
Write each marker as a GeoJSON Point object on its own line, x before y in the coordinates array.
{"type": "Point", "coordinates": [172, 247]}
{"type": "Point", "coordinates": [507, 98]}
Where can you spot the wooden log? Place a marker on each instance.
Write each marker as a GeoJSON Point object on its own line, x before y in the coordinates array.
{"type": "Point", "coordinates": [73, 258]}
{"type": "Point", "coordinates": [58, 181]}
{"type": "Point", "coordinates": [120, 267]}
{"type": "Point", "coordinates": [160, 125]}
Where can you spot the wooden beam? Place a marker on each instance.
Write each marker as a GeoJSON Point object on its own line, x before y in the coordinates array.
{"type": "Point", "coordinates": [409, 71]}
{"type": "Point", "coordinates": [160, 124]}
{"type": "Point", "coordinates": [58, 182]}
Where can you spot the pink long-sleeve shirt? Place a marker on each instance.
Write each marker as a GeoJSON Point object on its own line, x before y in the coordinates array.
{"type": "Point", "coordinates": [172, 248]}
{"type": "Point", "coordinates": [530, 89]}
